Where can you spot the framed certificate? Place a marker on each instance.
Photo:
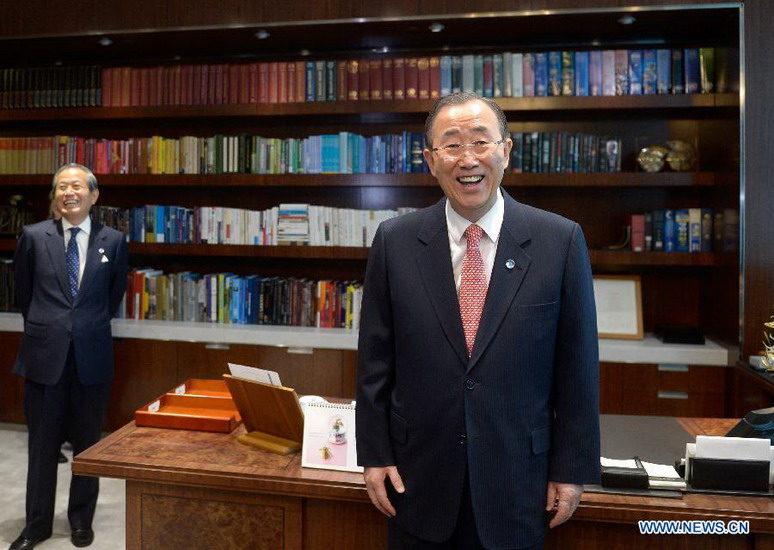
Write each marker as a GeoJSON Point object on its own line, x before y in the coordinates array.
{"type": "Point", "coordinates": [619, 306]}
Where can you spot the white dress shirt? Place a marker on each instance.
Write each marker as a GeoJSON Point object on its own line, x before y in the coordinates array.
{"type": "Point", "coordinates": [82, 239]}
{"type": "Point", "coordinates": [491, 223]}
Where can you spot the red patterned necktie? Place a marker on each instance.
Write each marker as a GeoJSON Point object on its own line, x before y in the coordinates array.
{"type": "Point", "coordinates": [472, 286]}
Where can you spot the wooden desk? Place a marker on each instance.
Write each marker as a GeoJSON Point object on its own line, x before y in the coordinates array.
{"type": "Point", "coordinates": [191, 490]}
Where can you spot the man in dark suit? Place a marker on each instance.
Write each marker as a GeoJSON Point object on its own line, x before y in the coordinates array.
{"type": "Point", "coordinates": [70, 275]}
{"type": "Point", "coordinates": [477, 397]}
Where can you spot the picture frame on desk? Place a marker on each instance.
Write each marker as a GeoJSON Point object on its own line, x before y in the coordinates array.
{"type": "Point", "coordinates": [619, 306]}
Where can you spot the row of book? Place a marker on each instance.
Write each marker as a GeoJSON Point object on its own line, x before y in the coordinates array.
{"type": "Point", "coordinates": [286, 224]}
{"type": "Point", "coordinates": [564, 152]}
{"type": "Point", "coordinates": [506, 74]}
{"type": "Point", "coordinates": [685, 230]}
{"type": "Point", "coordinates": [342, 153]}
{"type": "Point", "coordinates": [234, 299]}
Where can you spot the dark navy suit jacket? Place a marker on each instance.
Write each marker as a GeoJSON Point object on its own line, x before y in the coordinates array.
{"type": "Point", "coordinates": [52, 318]}
{"type": "Point", "coordinates": [521, 411]}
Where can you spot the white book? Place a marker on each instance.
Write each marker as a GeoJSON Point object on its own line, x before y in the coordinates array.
{"type": "Point", "coordinates": [517, 74]}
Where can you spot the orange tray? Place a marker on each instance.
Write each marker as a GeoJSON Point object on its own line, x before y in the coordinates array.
{"type": "Point", "coordinates": [189, 412]}
{"type": "Point", "coordinates": [202, 387]}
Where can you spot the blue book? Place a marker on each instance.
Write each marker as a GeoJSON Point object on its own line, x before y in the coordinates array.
{"type": "Point", "coordinates": [161, 223]}
{"type": "Point", "coordinates": [498, 76]}
{"type": "Point", "coordinates": [658, 230]}
{"type": "Point", "coordinates": [478, 74]}
{"type": "Point", "coordinates": [330, 80]}
{"type": "Point", "coordinates": [682, 230]}
{"type": "Point", "coordinates": [541, 74]}
{"type": "Point", "coordinates": [663, 71]}
{"type": "Point", "coordinates": [635, 72]}
{"type": "Point", "coordinates": [595, 72]}
{"type": "Point", "coordinates": [582, 60]}
{"type": "Point", "coordinates": [678, 71]}
{"type": "Point", "coordinates": [456, 72]}
{"type": "Point", "coordinates": [310, 78]}
{"type": "Point", "coordinates": [554, 73]}
{"type": "Point", "coordinates": [568, 73]}
{"type": "Point", "coordinates": [649, 77]}
{"type": "Point", "coordinates": [446, 75]}
{"type": "Point", "coordinates": [670, 231]}
{"type": "Point", "coordinates": [692, 80]}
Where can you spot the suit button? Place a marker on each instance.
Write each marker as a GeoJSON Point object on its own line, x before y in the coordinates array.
{"type": "Point", "coordinates": [470, 384]}
{"type": "Point", "coordinates": [463, 439]}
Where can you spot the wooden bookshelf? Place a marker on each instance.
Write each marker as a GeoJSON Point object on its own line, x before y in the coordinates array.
{"type": "Point", "coordinates": [369, 107]}
{"type": "Point", "coordinates": [699, 288]}
{"type": "Point", "coordinates": [591, 179]}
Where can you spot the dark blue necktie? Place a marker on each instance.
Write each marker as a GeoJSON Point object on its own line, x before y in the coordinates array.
{"type": "Point", "coordinates": [73, 265]}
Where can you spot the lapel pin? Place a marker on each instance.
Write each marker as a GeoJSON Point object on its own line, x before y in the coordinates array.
{"type": "Point", "coordinates": [510, 264]}
{"type": "Point", "coordinates": [101, 250]}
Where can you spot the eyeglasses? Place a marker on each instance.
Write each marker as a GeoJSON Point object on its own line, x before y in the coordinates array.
{"type": "Point", "coordinates": [478, 148]}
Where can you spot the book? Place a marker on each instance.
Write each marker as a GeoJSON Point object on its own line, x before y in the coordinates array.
{"type": "Point", "coordinates": [649, 71]}
{"type": "Point", "coordinates": [528, 74]}
{"type": "Point", "coordinates": [663, 71]}
{"type": "Point", "coordinates": [637, 224]}
{"type": "Point", "coordinates": [706, 70]}
{"type": "Point", "coordinates": [423, 78]}
{"type": "Point", "coordinates": [678, 71]}
{"type": "Point", "coordinates": [541, 74]}
{"type": "Point", "coordinates": [329, 440]}
{"type": "Point", "coordinates": [517, 75]}
{"type": "Point", "coordinates": [569, 81]}
{"type": "Point", "coordinates": [608, 72]}
{"type": "Point", "coordinates": [583, 72]}
{"type": "Point", "coordinates": [692, 70]}
{"type": "Point", "coordinates": [554, 82]}
{"type": "Point", "coordinates": [621, 72]}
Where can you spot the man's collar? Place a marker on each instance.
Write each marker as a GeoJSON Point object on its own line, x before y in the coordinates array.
{"type": "Point", "coordinates": [491, 222]}
{"type": "Point", "coordinates": [84, 226]}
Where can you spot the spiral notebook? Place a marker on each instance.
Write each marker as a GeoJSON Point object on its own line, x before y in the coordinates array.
{"type": "Point", "coordinates": [329, 437]}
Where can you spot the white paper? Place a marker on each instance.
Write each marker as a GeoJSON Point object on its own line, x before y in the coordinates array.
{"type": "Point", "coordinates": [736, 448]}
{"type": "Point", "coordinates": [256, 375]}
{"type": "Point", "coordinates": [618, 463]}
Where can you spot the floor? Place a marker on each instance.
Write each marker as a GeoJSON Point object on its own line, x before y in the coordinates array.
{"type": "Point", "coordinates": [109, 522]}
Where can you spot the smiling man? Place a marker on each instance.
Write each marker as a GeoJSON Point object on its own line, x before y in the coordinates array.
{"type": "Point", "coordinates": [477, 391]}
{"type": "Point", "coordinates": [70, 275]}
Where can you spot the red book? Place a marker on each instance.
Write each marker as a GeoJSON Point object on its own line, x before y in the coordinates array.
{"type": "Point", "coordinates": [399, 78]}
{"type": "Point", "coordinates": [186, 95]}
{"type": "Point", "coordinates": [282, 82]}
{"type": "Point", "coordinates": [423, 78]}
{"type": "Point", "coordinates": [134, 87]}
{"type": "Point", "coordinates": [435, 77]}
{"type": "Point", "coordinates": [291, 70]}
{"type": "Point", "coordinates": [212, 83]}
{"type": "Point", "coordinates": [375, 78]}
{"type": "Point", "coordinates": [387, 72]}
{"type": "Point", "coordinates": [637, 224]}
{"type": "Point", "coordinates": [253, 84]}
{"type": "Point", "coordinates": [233, 84]}
{"type": "Point", "coordinates": [488, 76]}
{"type": "Point", "coordinates": [341, 80]}
{"type": "Point", "coordinates": [204, 81]}
{"type": "Point", "coordinates": [161, 85]}
{"type": "Point", "coordinates": [363, 80]}
{"type": "Point", "coordinates": [263, 82]}
{"type": "Point", "coordinates": [352, 79]}
{"type": "Point", "coordinates": [177, 85]}
{"type": "Point", "coordinates": [412, 78]}
{"type": "Point", "coordinates": [196, 88]}
{"type": "Point", "coordinates": [107, 87]}
{"type": "Point", "coordinates": [300, 81]}
{"type": "Point", "coordinates": [273, 82]}
{"type": "Point", "coordinates": [220, 84]}
{"type": "Point", "coordinates": [126, 81]}
{"type": "Point", "coordinates": [243, 95]}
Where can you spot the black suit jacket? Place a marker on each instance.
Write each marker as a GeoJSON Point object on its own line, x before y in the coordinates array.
{"type": "Point", "coordinates": [52, 318]}
{"type": "Point", "coordinates": [521, 411]}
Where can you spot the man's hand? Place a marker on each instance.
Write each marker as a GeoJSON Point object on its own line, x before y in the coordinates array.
{"type": "Point", "coordinates": [377, 492]}
{"type": "Point", "coordinates": [564, 498]}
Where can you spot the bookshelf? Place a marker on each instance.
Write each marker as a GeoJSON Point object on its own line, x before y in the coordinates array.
{"type": "Point", "coordinates": [678, 288]}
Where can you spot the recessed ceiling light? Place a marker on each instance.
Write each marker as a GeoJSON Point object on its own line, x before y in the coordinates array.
{"type": "Point", "coordinates": [305, 52]}
{"type": "Point", "coordinates": [436, 27]}
{"type": "Point", "coordinates": [105, 41]}
{"type": "Point", "coordinates": [626, 19]}
{"type": "Point", "coordinates": [262, 34]}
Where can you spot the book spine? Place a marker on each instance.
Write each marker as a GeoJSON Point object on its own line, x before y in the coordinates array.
{"type": "Point", "coordinates": [554, 73]}
{"type": "Point", "coordinates": [692, 77]}
{"type": "Point", "coordinates": [375, 79]}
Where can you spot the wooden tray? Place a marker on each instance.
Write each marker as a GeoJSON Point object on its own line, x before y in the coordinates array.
{"type": "Point", "coordinates": [202, 387]}
{"type": "Point", "coordinates": [189, 412]}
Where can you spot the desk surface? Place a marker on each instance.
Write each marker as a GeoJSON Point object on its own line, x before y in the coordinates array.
{"type": "Point", "coordinates": [202, 459]}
